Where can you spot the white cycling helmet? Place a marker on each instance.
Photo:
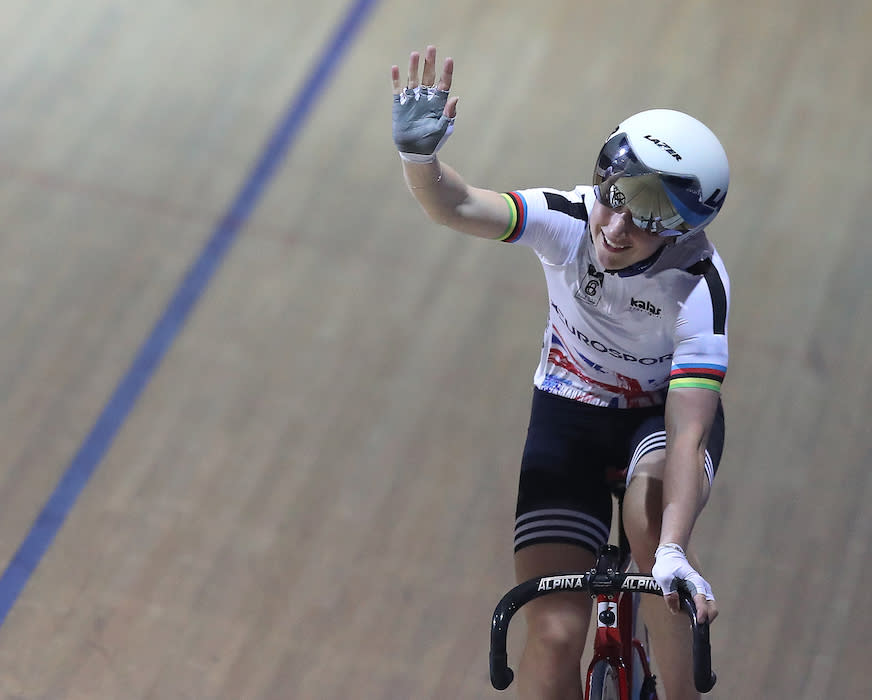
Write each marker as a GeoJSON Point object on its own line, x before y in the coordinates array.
{"type": "Point", "coordinates": [667, 168]}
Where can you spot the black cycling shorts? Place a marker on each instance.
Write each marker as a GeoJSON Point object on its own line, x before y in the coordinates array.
{"type": "Point", "coordinates": [572, 451]}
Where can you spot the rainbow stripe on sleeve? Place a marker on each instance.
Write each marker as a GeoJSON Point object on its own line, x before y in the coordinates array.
{"type": "Point", "coordinates": [518, 221]}
{"type": "Point", "coordinates": [698, 376]}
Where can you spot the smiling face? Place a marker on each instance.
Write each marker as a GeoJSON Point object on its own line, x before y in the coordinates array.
{"type": "Point", "coordinates": [618, 242]}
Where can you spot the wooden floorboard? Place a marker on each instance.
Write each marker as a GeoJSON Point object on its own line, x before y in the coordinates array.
{"type": "Point", "coordinates": [313, 496]}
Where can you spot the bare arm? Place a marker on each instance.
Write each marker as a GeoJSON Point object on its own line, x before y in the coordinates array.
{"type": "Point", "coordinates": [440, 190]}
{"type": "Point", "coordinates": [449, 201]}
{"type": "Point", "coordinates": [689, 417]}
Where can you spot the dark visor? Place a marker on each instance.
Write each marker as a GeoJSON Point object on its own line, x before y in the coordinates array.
{"type": "Point", "coordinates": [668, 205]}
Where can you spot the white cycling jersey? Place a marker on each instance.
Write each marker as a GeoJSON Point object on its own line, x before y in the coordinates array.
{"type": "Point", "coordinates": [622, 338]}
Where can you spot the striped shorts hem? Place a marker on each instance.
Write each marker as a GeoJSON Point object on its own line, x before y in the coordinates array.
{"type": "Point", "coordinates": [560, 525]}
{"type": "Point", "coordinates": [657, 441]}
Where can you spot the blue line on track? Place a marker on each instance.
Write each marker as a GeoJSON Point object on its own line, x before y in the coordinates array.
{"type": "Point", "coordinates": [150, 355]}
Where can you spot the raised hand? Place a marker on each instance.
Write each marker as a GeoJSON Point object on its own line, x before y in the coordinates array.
{"type": "Point", "coordinates": [423, 113]}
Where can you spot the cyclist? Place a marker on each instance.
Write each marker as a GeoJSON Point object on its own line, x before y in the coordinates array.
{"type": "Point", "coordinates": [634, 354]}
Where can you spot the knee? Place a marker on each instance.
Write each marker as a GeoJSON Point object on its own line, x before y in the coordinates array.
{"type": "Point", "coordinates": [558, 633]}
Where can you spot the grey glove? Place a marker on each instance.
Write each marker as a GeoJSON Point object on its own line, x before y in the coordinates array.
{"type": "Point", "coordinates": [420, 126]}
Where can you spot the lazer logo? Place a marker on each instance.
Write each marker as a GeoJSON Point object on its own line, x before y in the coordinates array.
{"type": "Point", "coordinates": [640, 583]}
{"type": "Point", "coordinates": [665, 146]}
{"type": "Point", "coordinates": [644, 305]}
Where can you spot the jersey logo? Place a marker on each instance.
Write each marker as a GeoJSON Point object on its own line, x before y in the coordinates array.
{"type": "Point", "coordinates": [646, 306]}
{"type": "Point", "coordinates": [590, 289]}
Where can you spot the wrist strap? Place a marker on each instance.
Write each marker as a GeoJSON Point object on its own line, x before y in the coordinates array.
{"type": "Point", "coordinates": [418, 157]}
{"type": "Point", "coordinates": [669, 545]}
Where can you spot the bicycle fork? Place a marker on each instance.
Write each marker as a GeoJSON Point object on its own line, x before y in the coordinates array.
{"type": "Point", "coordinates": [616, 644]}
{"type": "Point", "coordinates": [607, 644]}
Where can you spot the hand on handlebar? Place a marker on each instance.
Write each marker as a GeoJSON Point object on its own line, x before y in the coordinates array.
{"type": "Point", "coordinates": [423, 114]}
{"type": "Point", "coordinates": [670, 568]}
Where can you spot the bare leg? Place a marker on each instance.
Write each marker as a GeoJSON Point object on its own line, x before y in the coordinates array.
{"type": "Point", "coordinates": [550, 667]}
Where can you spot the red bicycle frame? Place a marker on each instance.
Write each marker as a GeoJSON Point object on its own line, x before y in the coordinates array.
{"type": "Point", "coordinates": [615, 643]}
{"type": "Point", "coordinates": [608, 644]}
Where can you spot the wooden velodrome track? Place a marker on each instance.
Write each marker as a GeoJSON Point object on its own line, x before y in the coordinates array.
{"type": "Point", "coordinates": [293, 475]}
